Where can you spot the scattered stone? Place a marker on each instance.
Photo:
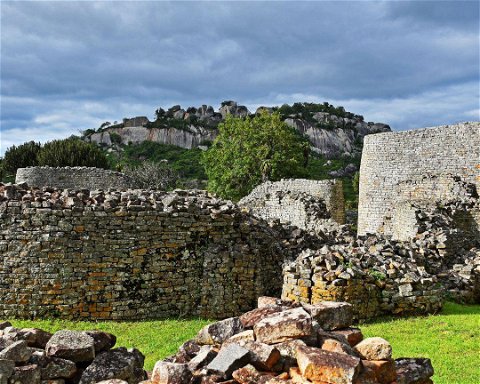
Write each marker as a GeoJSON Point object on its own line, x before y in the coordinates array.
{"type": "Point", "coordinates": [71, 345]}
{"type": "Point", "coordinates": [18, 351]}
{"type": "Point", "coordinates": [220, 331]}
{"type": "Point", "coordinates": [229, 359]}
{"type": "Point", "coordinates": [118, 363]}
{"type": "Point", "coordinates": [58, 368]}
{"type": "Point", "coordinates": [384, 370]}
{"type": "Point", "coordinates": [318, 365]}
{"type": "Point", "coordinates": [170, 373]}
{"type": "Point", "coordinates": [331, 315]}
{"type": "Point", "coordinates": [26, 374]}
{"type": "Point", "coordinates": [283, 326]}
{"type": "Point", "coordinates": [103, 341]}
{"type": "Point", "coordinates": [414, 370]}
{"type": "Point", "coordinates": [374, 348]}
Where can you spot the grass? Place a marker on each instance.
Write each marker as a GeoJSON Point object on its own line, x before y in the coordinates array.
{"type": "Point", "coordinates": [450, 339]}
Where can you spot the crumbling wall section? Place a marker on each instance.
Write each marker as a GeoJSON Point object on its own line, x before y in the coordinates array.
{"type": "Point", "coordinates": [299, 202]}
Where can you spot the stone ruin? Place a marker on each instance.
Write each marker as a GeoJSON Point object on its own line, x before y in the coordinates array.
{"type": "Point", "coordinates": [280, 342]}
{"type": "Point", "coordinates": [73, 178]}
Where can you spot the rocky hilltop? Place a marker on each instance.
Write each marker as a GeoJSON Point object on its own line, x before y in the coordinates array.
{"type": "Point", "coordinates": [332, 131]}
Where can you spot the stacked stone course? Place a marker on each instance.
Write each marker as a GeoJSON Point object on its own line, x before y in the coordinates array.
{"type": "Point", "coordinates": [414, 165]}
{"type": "Point", "coordinates": [73, 178]}
{"type": "Point", "coordinates": [135, 254]}
{"type": "Point", "coordinates": [300, 202]}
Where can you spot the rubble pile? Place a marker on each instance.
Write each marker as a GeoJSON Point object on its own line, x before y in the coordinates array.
{"type": "Point", "coordinates": [33, 356]}
{"type": "Point", "coordinates": [283, 342]}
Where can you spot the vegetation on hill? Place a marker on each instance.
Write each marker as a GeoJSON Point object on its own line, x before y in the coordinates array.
{"type": "Point", "coordinates": [250, 151]}
{"type": "Point", "coordinates": [449, 339]}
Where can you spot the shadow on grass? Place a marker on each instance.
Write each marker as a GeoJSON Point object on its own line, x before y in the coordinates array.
{"type": "Point", "coordinates": [449, 309]}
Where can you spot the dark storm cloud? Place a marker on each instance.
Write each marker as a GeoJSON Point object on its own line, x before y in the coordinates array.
{"type": "Point", "coordinates": [67, 66]}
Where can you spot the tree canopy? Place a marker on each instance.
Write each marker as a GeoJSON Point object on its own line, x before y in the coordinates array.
{"type": "Point", "coordinates": [250, 151]}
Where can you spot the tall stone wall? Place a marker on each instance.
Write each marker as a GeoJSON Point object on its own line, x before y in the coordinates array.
{"type": "Point", "coordinates": [414, 165]}
{"type": "Point", "coordinates": [296, 201]}
{"type": "Point", "coordinates": [72, 178]}
{"type": "Point", "coordinates": [132, 255]}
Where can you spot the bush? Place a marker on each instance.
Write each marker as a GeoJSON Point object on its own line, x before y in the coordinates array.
{"type": "Point", "coordinates": [25, 155]}
{"type": "Point", "coordinates": [150, 175]}
{"type": "Point", "coordinates": [72, 152]}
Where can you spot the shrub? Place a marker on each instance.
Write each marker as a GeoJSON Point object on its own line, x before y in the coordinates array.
{"type": "Point", "coordinates": [25, 155]}
{"type": "Point", "coordinates": [72, 152]}
{"type": "Point", "coordinates": [150, 175]}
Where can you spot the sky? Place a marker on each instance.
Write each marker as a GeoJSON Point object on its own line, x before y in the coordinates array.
{"type": "Point", "coordinates": [70, 66]}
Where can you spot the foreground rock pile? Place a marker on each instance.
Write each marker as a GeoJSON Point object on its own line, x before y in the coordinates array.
{"type": "Point", "coordinates": [33, 356]}
{"type": "Point", "coordinates": [282, 342]}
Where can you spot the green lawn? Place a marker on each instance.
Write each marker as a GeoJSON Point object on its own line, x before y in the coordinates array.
{"type": "Point", "coordinates": [451, 339]}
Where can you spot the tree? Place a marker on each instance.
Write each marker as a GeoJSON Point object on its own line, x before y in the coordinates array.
{"type": "Point", "coordinates": [72, 152]}
{"type": "Point", "coordinates": [150, 175]}
{"type": "Point", "coordinates": [250, 151]}
{"type": "Point", "coordinates": [25, 155]}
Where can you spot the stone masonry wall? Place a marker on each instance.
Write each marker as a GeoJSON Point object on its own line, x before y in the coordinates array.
{"type": "Point", "coordinates": [72, 178]}
{"type": "Point", "coordinates": [416, 165]}
{"type": "Point", "coordinates": [288, 201]}
{"type": "Point", "coordinates": [132, 255]}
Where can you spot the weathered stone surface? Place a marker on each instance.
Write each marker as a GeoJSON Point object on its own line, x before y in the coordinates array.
{"type": "Point", "coordinates": [262, 356]}
{"type": "Point", "coordinates": [170, 373]}
{"type": "Point", "coordinates": [374, 348]}
{"type": "Point", "coordinates": [333, 345]}
{"type": "Point", "coordinates": [26, 374]}
{"type": "Point", "coordinates": [331, 315]}
{"type": "Point", "coordinates": [58, 368]}
{"type": "Point", "coordinates": [220, 331]}
{"type": "Point", "coordinates": [4, 324]}
{"type": "Point", "coordinates": [113, 381]}
{"type": "Point", "coordinates": [352, 335]}
{"type": "Point", "coordinates": [6, 369]}
{"type": "Point", "coordinates": [414, 370]}
{"type": "Point", "coordinates": [18, 351]}
{"type": "Point", "coordinates": [34, 337]}
{"type": "Point", "coordinates": [246, 375]}
{"type": "Point", "coordinates": [384, 370]}
{"type": "Point", "coordinates": [115, 364]}
{"type": "Point", "coordinates": [297, 377]}
{"type": "Point", "coordinates": [229, 359]}
{"type": "Point", "coordinates": [71, 345]}
{"type": "Point", "coordinates": [249, 319]}
{"type": "Point", "coordinates": [318, 365]}
{"type": "Point", "coordinates": [283, 326]}
{"type": "Point", "coordinates": [102, 341]}
{"type": "Point", "coordinates": [204, 357]}
{"type": "Point", "coordinates": [241, 338]}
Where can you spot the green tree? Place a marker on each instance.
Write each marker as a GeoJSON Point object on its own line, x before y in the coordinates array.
{"type": "Point", "coordinates": [250, 151]}
{"type": "Point", "coordinates": [72, 152]}
{"type": "Point", "coordinates": [25, 155]}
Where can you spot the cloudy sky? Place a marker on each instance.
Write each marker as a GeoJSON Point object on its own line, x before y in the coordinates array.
{"type": "Point", "coordinates": [69, 66]}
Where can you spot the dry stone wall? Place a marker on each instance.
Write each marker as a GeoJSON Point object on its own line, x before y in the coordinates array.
{"type": "Point", "coordinates": [300, 202]}
{"type": "Point", "coordinates": [133, 254]}
{"type": "Point", "coordinates": [414, 165]}
{"type": "Point", "coordinates": [73, 178]}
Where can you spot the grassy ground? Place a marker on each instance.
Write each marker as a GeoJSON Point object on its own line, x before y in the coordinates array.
{"type": "Point", "coordinates": [451, 339]}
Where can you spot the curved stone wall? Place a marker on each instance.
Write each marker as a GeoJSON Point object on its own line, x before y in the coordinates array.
{"type": "Point", "coordinates": [133, 255]}
{"type": "Point", "coordinates": [72, 178]}
{"type": "Point", "coordinates": [414, 163]}
{"type": "Point", "coordinates": [295, 201]}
